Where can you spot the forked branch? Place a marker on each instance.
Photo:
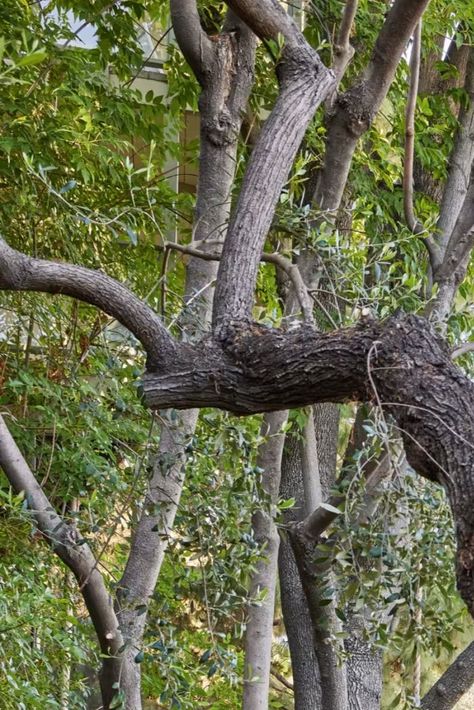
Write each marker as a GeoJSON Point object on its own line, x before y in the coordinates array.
{"type": "Point", "coordinates": [343, 50]}
{"type": "Point", "coordinates": [193, 41]}
{"type": "Point", "coordinates": [304, 83]}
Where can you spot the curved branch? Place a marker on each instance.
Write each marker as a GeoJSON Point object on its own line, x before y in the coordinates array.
{"type": "Point", "coordinates": [304, 83]}
{"type": "Point", "coordinates": [280, 261]}
{"type": "Point", "coordinates": [268, 19]}
{"type": "Point", "coordinates": [343, 50]}
{"type": "Point", "coordinates": [462, 350]}
{"type": "Point", "coordinates": [64, 539]}
{"type": "Point", "coordinates": [193, 41]}
{"type": "Point", "coordinates": [19, 272]}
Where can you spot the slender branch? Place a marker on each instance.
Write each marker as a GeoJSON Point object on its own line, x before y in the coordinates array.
{"type": "Point", "coordinates": [343, 50]}
{"type": "Point", "coordinates": [282, 679]}
{"type": "Point", "coordinates": [460, 163]}
{"type": "Point", "coordinates": [193, 41]}
{"type": "Point", "coordinates": [278, 260]}
{"type": "Point", "coordinates": [64, 539]}
{"type": "Point", "coordinates": [408, 203]}
{"type": "Point", "coordinates": [304, 83]}
{"type": "Point", "coordinates": [462, 350]}
{"type": "Point", "coordinates": [412, 222]}
{"type": "Point", "coordinates": [19, 272]}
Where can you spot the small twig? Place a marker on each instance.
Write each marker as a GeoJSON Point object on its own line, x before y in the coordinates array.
{"type": "Point", "coordinates": [461, 350]}
{"type": "Point", "coordinates": [408, 206]}
{"type": "Point", "coordinates": [282, 679]}
{"type": "Point", "coordinates": [278, 260]}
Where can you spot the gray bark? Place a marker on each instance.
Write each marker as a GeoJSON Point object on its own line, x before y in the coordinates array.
{"type": "Point", "coordinates": [364, 670]}
{"type": "Point", "coordinates": [452, 685]}
{"type": "Point", "coordinates": [259, 628]}
{"type": "Point", "coordinates": [460, 163]}
{"type": "Point", "coordinates": [225, 71]}
{"type": "Point", "coordinates": [65, 539]}
{"type": "Point", "coordinates": [296, 616]}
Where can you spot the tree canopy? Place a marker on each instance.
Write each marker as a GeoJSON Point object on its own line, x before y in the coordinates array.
{"type": "Point", "coordinates": [236, 369]}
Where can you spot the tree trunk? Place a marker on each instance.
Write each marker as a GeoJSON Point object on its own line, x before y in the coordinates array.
{"type": "Point", "coordinates": [364, 669]}
{"type": "Point", "coordinates": [222, 102]}
{"type": "Point", "coordinates": [259, 629]}
{"type": "Point", "coordinates": [306, 680]}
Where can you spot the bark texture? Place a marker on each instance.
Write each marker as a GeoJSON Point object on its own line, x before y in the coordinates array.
{"type": "Point", "coordinates": [259, 629]}
{"type": "Point", "coordinates": [298, 626]}
{"type": "Point", "coordinates": [452, 685]}
{"type": "Point", "coordinates": [400, 364]}
{"type": "Point", "coordinates": [224, 68]}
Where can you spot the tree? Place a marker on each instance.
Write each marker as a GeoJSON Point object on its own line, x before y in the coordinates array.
{"type": "Point", "coordinates": [397, 363]}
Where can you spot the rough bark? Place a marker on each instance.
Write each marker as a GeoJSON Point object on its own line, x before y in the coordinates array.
{"type": "Point", "coordinates": [400, 364]}
{"type": "Point", "coordinates": [306, 679]}
{"type": "Point", "coordinates": [224, 68]}
{"type": "Point", "coordinates": [354, 110]}
{"type": "Point", "coordinates": [304, 83]}
{"type": "Point", "coordinates": [452, 685]}
{"type": "Point", "coordinates": [65, 540]}
{"type": "Point", "coordinates": [364, 670]}
{"type": "Point", "coordinates": [259, 628]}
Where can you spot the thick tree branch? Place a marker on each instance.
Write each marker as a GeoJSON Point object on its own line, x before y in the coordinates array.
{"type": "Point", "coordinates": [355, 109]}
{"type": "Point", "coordinates": [268, 19]}
{"type": "Point", "coordinates": [193, 41]}
{"type": "Point", "coordinates": [399, 363]}
{"type": "Point", "coordinates": [65, 541]}
{"type": "Point", "coordinates": [460, 164]}
{"type": "Point", "coordinates": [19, 272]}
{"type": "Point", "coordinates": [304, 83]}
{"type": "Point", "coordinates": [455, 681]}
